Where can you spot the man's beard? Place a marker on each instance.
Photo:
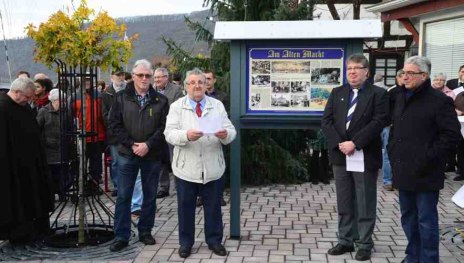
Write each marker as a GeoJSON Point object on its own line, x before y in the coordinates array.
{"type": "Point", "coordinates": [119, 87]}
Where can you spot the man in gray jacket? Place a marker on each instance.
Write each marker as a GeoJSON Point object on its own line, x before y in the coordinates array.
{"type": "Point", "coordinates": [172, 92]}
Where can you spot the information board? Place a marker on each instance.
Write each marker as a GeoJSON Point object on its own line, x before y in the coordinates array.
{"type": "Point", "coordinates": [292, 80]}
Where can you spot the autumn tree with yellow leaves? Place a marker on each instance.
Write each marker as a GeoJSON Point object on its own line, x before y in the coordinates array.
{"type": "Point", "coordinates": [77, 40]}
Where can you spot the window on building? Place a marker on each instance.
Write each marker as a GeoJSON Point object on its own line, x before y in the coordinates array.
{"type": "Point", "coordinates": [444, 46]}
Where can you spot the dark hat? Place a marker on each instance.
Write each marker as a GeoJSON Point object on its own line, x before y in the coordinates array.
{"type": "Point", "coordinates": [117, 71]}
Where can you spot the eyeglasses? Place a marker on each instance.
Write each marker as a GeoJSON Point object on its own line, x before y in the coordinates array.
{"type": "Point", "coordinates": [147, 76]}
{"type": "Point", "coordinates": [159, 77]}
{"type": "Point", "coordinates": [209, 78]}
{"type": "Point", "coordinates": [412, 73]}
{"type": "Point", "coordinates": [199, 83]}
{"type": "Point", "coordinates": [355, 68]}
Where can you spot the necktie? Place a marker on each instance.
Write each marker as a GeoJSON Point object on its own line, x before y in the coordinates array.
{"type": "Point", "coordinates": [352, 107]}
{"type": "Point", "coordinates": [198, 109]}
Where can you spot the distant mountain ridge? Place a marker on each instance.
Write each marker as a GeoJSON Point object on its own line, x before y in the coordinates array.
{"type": "Point", "coordinates": [149, 44]}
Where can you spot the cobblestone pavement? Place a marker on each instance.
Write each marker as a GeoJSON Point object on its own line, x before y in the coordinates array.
{"type": "Point", "coordinates": [290, 223]}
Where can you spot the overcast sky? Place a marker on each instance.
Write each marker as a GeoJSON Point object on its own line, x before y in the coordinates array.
{"type": "Point", "coordinates": [18, 13]}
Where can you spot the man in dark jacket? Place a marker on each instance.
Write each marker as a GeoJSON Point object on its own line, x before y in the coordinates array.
{"type": "Point", "coordinates": [173, 92]}
{"type": "Point", "coordinates": [457, 82]}
{"type": "Point", "coordinates": [353, 119]}
{"type": "Point", "coordinates": [138, 119]}
{"type": "Point", "coordinates": [424, 130]}
{"type": "Point", "coordinates": [117, 84]}
{"type": "Point", "coordinates": [26, 195]}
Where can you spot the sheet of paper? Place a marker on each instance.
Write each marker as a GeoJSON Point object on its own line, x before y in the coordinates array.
{"type": "Point", "coordinates": [210, 124]}
{"type": "Point", "coordinates": [355, 162]}
{"type": "Point", "coordinates": [458, 197]}
{"type": "Point", "coordinates": [461, 120]}
{"type": "Point", "coordinates": [458, 90]}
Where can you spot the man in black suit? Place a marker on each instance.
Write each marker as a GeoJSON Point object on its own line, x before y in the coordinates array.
{"type": "Point", "coordinates": [353, 119]}
{"type": "Point", "coordinates": [459, 82]}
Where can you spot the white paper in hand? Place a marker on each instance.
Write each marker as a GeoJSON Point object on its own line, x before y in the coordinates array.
{"type": "Point", "coordinates": [458, 197]}
{"type": "Point", "coordinates": [355, 162]}
{"type": "Point", "coordinates": [210, 124]}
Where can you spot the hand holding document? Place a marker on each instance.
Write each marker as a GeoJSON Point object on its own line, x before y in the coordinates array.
{"type": "Point", "coordinates": [355, 162]}
{"type": "Point", "coordinates": [210, 124]}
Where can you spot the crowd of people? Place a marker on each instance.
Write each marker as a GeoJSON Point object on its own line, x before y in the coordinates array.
{"type": "Point", "coordinates": [151, 128]}
{"type": "Point", "coordinates": [131, 119]}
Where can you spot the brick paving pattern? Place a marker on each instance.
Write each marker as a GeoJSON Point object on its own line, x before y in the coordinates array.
{"type": "Point", "coordinates": [285, 223]}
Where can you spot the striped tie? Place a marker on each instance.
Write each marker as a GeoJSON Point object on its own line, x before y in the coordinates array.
{"type": "Point", "coordinates": [352, 107]}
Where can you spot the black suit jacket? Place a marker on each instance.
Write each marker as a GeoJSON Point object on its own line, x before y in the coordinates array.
{"type": "Point", "coordinates": [370, 117]}
{"type": "Point", "coordinates": [452, 83]}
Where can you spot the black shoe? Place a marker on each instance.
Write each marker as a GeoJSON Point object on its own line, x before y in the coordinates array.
{"type": "Point", "coordinates": [218, 249]}
{"type": "Point", "coordinates": [223, 202]}
{"type": "Point", "coordinates": [340, 249]}
{"type": "Point", "coordinates": [114, 193]}
{"type": "Point", "coordinates": [184, 252]}
{"type": "Point", "coordinates": [363, 255]}
{"type": "Point", "coordinates": [200, 201]}
{"type": "Point", "coordinates": [118, 245]}
{"type": "Point", "coordinates": [137, 212]}
{"type": "Point", "coordinates": [147, 238]}
{"type": "Point", "coordinates": [162, 194]}
{"type": "Point", "coordinates": [458, 178]}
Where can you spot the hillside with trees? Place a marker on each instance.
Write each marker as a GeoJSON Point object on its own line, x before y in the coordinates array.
{"type": "Point", "coordinates": [149, 45]}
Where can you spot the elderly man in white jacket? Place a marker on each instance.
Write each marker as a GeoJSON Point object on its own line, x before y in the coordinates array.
{"type": "Point", "coordinates": [198, 160]}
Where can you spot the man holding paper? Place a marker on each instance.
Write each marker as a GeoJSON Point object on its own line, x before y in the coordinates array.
{"type": "Point", "coordinates": [197, 125]}
{"type": "Point", "coordinates": [424, 131]}
{"type": "Point", "coordinates": [353, 119]}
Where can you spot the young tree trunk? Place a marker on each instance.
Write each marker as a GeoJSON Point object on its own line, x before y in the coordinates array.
{"type": "Point", "coordinates": [332, 9]}
{"type": "Point", "coordinates": [356, 9]}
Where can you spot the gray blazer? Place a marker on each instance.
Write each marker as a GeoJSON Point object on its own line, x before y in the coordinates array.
{"type": "Point", "coordinates": [172, 92]}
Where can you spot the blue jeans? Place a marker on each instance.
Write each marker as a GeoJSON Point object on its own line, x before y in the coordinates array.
{"type": "Point", "coordinates": [187, 193]}
{"type": "Point", "coordinates": [419, 218]}
{"type": "Point", "coordinates": [114, 165]}
{"type": "Point", "coordinates": [137, 195]}
{"type": "Point", "coordinates": [386, 168]}
{"type": "Point", "coordinates": [128, 170]}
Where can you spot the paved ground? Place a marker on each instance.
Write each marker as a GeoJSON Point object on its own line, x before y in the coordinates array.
{"type": "Point", "coordinates": [293, 223]}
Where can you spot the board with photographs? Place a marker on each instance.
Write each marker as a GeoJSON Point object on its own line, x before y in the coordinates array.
{"type": "Point", "coordinates": [295, 80]}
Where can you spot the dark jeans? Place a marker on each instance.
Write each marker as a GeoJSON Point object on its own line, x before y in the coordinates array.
{"type": "Point", "coordinates": [93, 153]}
{"type": "Point", "coordinates": [419, 218]}
{"type": "Point", "coordinates": [128, 170]}
{"type": "Point", "coordinates": [187, 193]}
{"type": "Point", "coordinates": [114, 164]}
{"type": "Point", "coordinates": [460, 156]}
{"type": "Point", "coordinates": [61, 178]}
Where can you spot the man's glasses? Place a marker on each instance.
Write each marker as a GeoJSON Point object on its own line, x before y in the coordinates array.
{"type": "Point", "coordinates": [199, 83]}
{"type": "Point", "coordinates": [412, 73]}
{"type": "Point", "coordinates": [147, 76]}
{"type": "Point", "coordinates": [355, 68]}
{"type": "Point", "coordinates": [160, 77]}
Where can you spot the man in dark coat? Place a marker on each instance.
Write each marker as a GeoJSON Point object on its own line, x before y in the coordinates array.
{"type": "Point", "coordinates": [353, 119]}
{"type": "Point", "coordinates": [424, 130]}
{"type": "Point", "coordinates": [26, 197]}
{"type": "Point", "coordinates": [138, 119]}
{"type": "Point", "coordinates": [108, 97]}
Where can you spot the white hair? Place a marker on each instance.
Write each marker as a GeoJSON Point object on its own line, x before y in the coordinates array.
{"type": "Point", "coordinates": [22, 84]}
{"type": "Point", "coordinates": [54, 95]}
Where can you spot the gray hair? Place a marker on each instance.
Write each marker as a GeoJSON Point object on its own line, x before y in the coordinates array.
{"type": "Point", "coordinates": [22, 84]}
{"type": "Point", "coordinates": [443, 75]}
{"type": "Point", "coordinates": [422, 62]}
{"type": "Point", "coordinates": [164, 71]}
{"type": "Point", "coordinates": [195, 71]}
{"type": "Point", "coordinates": [142, 63]}
{"type": "Point", "coordinates": [399, 73]}
{"type": "Point", "coordinates": [358, 58]}
{"type": "Point", "coordinates": [54, 95]}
